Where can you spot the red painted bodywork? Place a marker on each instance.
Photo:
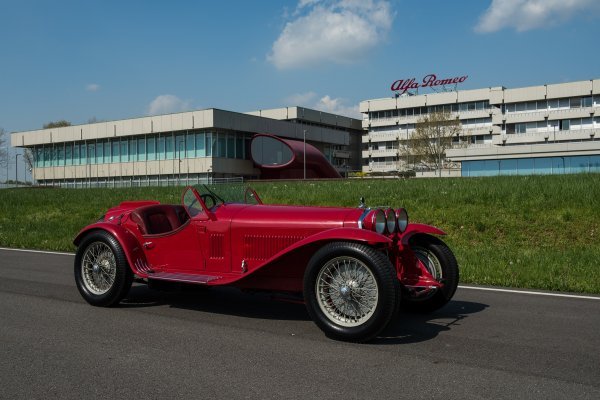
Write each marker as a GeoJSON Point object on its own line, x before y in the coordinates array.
{"type": "Point", "coordinates": [252, 246]}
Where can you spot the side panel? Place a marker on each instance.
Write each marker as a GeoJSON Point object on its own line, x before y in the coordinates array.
{"type": "Point", "coordinates": [179, 251]}
{"type": "Point", "coordinates": [214, 238]}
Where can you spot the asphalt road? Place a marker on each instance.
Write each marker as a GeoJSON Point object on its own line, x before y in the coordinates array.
{"type": "Point", "coordinates": [224, 344]}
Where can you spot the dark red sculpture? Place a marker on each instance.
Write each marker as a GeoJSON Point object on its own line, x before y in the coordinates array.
{"type": "Point", "coordinates": [280, 158]}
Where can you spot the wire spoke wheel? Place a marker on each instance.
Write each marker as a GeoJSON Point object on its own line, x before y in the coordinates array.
{"type": "Point", "coordinates": [351, 291]}
{"type": "Point", "coordinates": [440, 262]}
{"type": "Point", "coordinates": [102, 274]}
{"type": "Point", "coordinates": [98, 268]}
{"type": "Point", "coordinates": [430, 261]}
{"type": "Point", "coordinates": [347, 291]}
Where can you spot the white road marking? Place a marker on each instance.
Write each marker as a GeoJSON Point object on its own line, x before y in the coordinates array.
{"type": "Point", "coordinates": [39, 251]}
{"type": "Point", "coordinates": [551, 294]}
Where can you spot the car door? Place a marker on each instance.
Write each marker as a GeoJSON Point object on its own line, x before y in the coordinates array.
{"type": "Point", "coordinates": [178, 251]}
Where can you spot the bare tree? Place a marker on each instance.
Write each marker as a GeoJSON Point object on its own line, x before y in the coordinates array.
{"type": "Point", "coordinates": [432, 137]}
{"type": "Point", "coordinates": [3, 148]}
{"type": "Point", "coordinates": [29, 157]}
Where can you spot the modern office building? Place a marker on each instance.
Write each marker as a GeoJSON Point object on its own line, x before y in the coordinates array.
{"type": "Point", "coordinates": [180, 148]}
{"type": "Point", "coordinates": [544, 129]}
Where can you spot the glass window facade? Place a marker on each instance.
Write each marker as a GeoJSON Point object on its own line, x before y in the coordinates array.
{"type": "Point", "coordinates": [164, 146]}
{"type": "Point", "coordinates": [532, 166]}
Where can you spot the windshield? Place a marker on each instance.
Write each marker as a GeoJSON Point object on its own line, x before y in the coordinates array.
{"type": "Point", "coordinates": [214, 195]}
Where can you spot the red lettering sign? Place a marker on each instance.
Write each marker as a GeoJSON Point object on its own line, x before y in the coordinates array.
{"type": "Point", "coordinates": [403, 85]}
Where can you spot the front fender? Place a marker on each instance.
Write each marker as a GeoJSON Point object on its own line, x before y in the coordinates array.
{"type": "Point", "coordinates": [132, 248]}
{"type": "Point", "coordinates": [414, 229]}
{"type": "Point", "coordinates": [345, 234]}
{"type": "Point", "coordinates": [284, 270]}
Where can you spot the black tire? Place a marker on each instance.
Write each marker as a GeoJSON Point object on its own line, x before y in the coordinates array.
{"type": "Point", "coordinates": [102, 274]}
{"type": "Point", "coordinates": [432, 251]}
{"type": "Point", "coordinates": [332, 293]}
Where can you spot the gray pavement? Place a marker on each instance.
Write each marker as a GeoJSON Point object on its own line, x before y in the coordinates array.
{"type": "Point", "coordinates": [222, 343]}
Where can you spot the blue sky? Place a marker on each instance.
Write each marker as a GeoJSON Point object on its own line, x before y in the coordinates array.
{"type": "Point", "coordinates": [76, 60]}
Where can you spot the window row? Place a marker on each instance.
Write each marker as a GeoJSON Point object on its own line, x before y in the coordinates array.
{"type": "Point", "coordinates": [552, 104]}
{"type": "Point", "coordinates": [388, 145]}
{"type": "Point", "coordinates": [177, 145]}
{"type": "Point", "coordinates": [455, 107]}
{"type": "Point", "coordinates": [474, 139]}
{"type": "Point", "coordinates": [531, 166]}
{"type": "Point", "coordinates": [476, 122]}
{"type": "Point", "coordinates": [573, 124]}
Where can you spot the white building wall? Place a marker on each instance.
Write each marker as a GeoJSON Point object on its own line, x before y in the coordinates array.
{"type": "Point", "coordinates": [542, 126]}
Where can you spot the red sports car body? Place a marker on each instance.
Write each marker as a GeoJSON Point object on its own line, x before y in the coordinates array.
{"type": "Point", "coordinates": [352, 266]}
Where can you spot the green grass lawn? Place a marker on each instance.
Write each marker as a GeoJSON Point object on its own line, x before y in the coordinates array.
{"type": "Point", "coordinates": [531, 232]}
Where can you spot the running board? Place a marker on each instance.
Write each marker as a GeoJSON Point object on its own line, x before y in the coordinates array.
{"type": "Point", "coordinates": [182, 277]}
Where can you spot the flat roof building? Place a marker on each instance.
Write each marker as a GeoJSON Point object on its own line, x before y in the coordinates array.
{"type": "Point", "coordinates": [180, 148]}
{"type": "Point", "coordinates": [544, 129]}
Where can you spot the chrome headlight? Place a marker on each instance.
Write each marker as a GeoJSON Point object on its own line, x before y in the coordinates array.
{"type": "Point", "coordinates": [379, 221]}
{"type": "Point", "coordinates": [402, 217]}
{"type": "Point", "coordinates": [390, 217]}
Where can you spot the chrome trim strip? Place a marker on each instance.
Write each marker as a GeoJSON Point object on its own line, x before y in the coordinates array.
{"type": "Point", "coordinates": [362, 217]}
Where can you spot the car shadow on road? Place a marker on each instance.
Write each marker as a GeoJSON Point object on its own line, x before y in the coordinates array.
{"type": "Point", "coordinates": [408, 327]}
{"type": "Point", "coordinates": [412, 327]}
{"type": "Point", "coordinates": [218, 300]}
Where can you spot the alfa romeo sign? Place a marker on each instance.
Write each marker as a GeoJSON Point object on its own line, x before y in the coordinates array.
{"type": "Point", "coordinates": [403, 85]}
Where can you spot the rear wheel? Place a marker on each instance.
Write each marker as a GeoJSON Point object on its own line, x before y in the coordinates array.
{"type": "Point", "coordinates": [102, 274]}
{"type": "Point", "coordinates": [440, 262]}
{"type": "Point", "coordinates": [350, 291]}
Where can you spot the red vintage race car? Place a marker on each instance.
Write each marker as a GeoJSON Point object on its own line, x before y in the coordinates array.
{"type": "Point", "coordinates": [351, 266]}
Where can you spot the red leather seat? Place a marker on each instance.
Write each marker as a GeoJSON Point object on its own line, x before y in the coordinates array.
{"type": "Point", "coordinates": [158, 219]}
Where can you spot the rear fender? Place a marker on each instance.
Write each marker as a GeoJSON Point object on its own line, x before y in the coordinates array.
{"type": "Point", "coordinates": [416, 229]}
{"type": "Point", "coordinates": [132, 248]}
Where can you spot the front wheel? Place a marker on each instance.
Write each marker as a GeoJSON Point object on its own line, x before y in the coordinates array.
{"type": "Point", "coordinates": [102, 274]}
{"type": "Point", "coordinates": [350, 291]}
{"type": "Point", "coordinates": [440, 262]}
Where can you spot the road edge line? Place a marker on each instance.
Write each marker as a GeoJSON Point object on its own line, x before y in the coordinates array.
{"type": "Point", "coordinates": [517, 291]}
{"type": "Point", "coordinates": [38, 251]}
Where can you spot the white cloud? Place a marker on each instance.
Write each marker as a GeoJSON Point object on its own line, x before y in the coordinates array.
{"type": "Point", "coordinates": [337, 31]}
{"type": "Point", "coordinates": [301, 99]}
{"type": "Point", "coordinates": [92, 87]}
{"type": "Point", "coordinates": [326, 103]}
{"type": "Point", "coordinates": [167, 103]}
{"type": "Point", "coordinates": [523, 15]}
{"type": "Point", "coordinates": [337, 106]}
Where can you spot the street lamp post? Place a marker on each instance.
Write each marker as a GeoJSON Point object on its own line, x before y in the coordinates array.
{"type": "Point", "coordinates": [17, 169]}
{"type": "Point", "coordinates": [407, 148]}
{"type": "Point", "coordinates": [179, 158]}
{"type": "Point", "coordinates": [304, 153]}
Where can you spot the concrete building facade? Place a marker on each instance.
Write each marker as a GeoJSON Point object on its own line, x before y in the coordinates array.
{"type": "Point", "coordinates": [544, 129]}
{"type": "Point", "coordinates": [181, 148]}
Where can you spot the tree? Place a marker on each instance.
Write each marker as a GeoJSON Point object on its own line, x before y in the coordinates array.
{"type": "Point", "coordinates": [432, 137]}
{"type": "Point", "coordinates": [29, 157]}
{"type": "Point", "coordinates": [57, 124]}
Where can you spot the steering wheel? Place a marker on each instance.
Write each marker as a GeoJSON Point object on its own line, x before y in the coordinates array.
{"type": "Point", "coordinates": [206, 197]}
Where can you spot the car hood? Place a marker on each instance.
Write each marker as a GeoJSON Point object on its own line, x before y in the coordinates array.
{"type": "Point", "coordinates": [295, 217]}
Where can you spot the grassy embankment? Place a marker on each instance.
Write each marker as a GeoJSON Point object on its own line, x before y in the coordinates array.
{"type": "Point", "coordinates": [531, 232]}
